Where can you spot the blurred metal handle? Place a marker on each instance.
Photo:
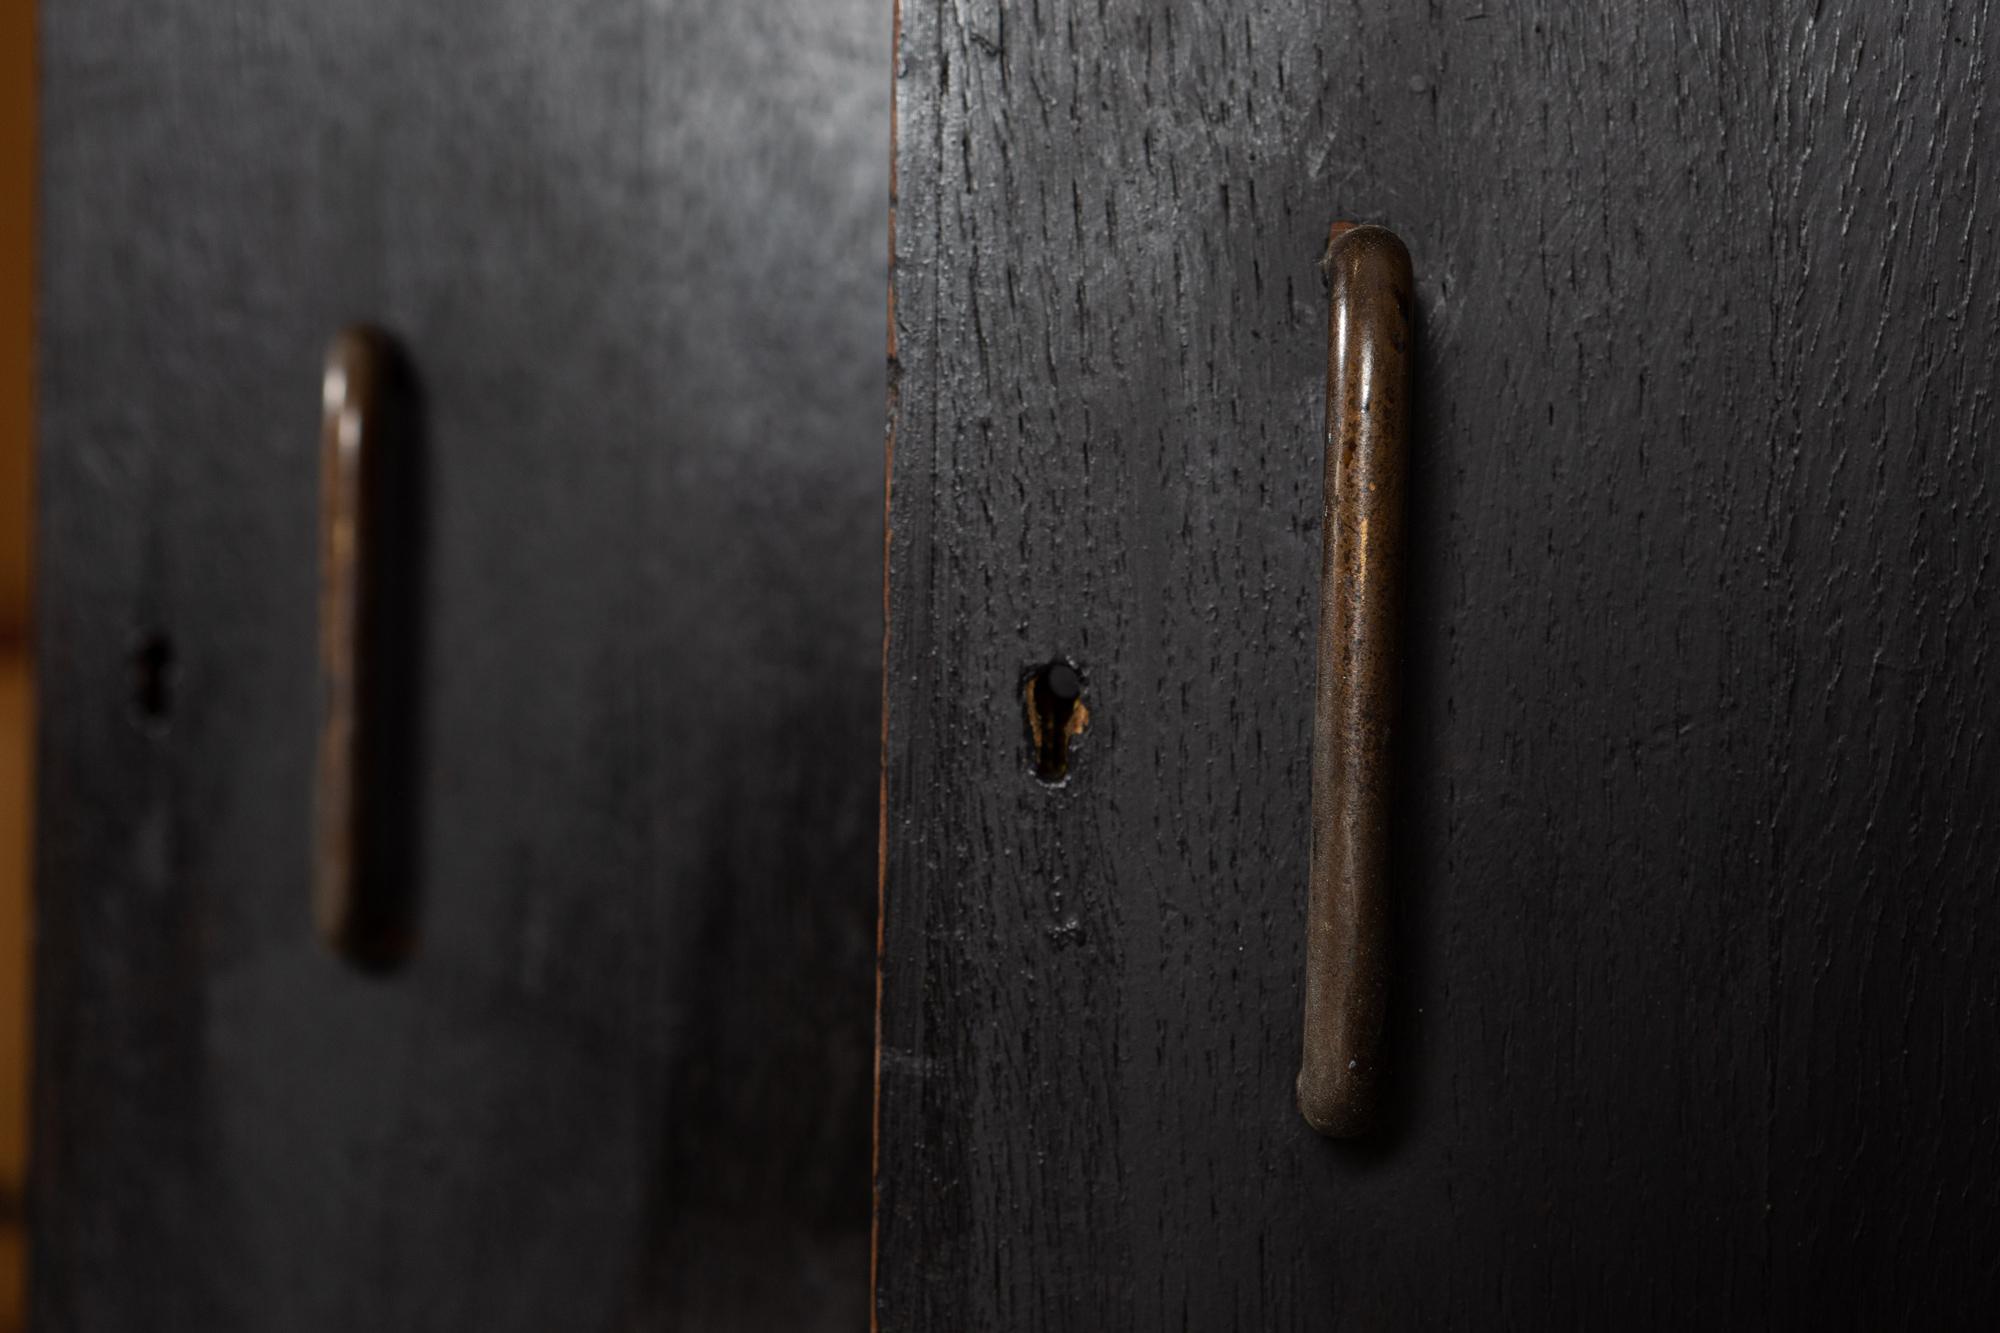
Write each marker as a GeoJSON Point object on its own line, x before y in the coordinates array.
{"type": "Point", "coordinates": [361, 900]}
{"type": "Point", "coordinates": [1367, 434]}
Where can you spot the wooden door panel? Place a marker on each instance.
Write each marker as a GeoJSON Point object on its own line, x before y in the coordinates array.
{"type": "Point", "coordinates": [633, 251]}
{"type": "Point", "coordinates": [1692, 1005]}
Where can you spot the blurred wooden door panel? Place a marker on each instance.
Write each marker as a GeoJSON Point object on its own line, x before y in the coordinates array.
{"type": "Point", "coordinates": [634, 252]}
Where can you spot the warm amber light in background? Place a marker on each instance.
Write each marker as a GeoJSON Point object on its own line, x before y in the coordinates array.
{"type": "Point", "coordinates": [17, 285]}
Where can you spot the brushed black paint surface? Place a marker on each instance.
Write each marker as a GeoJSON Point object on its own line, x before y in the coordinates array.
{"type": "Point", "coordinates": [1697, 1019]}
{"type": "Point", "coordinates": [634, 250]}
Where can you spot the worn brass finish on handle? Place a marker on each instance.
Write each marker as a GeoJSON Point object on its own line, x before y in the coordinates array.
{"type": "Point", "coordinates": [362, 900]}
{"type": "Point", "coordinates": [1367, 435]}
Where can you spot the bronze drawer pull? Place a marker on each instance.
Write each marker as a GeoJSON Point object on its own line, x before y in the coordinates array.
{"type": "Point", "coordinates": [1367, 433]}
{"type": "Point", "coordinates": [362, 805]}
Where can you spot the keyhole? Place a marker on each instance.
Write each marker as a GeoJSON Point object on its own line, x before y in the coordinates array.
{"type": "Point", "coordinates": [1056, 716]}
{"type": "Point", "coordinates": [153, 679]}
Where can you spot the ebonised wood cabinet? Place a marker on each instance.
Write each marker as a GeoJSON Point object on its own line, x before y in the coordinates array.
{"type": "Point", "coordinates": [1694, 1010]}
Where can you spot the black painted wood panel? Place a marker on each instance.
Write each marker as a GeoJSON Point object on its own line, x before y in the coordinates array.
{"type": "Point", "coordinates": [635, 253]}
{"type": "Point", "coordinates": [1695, 1011]}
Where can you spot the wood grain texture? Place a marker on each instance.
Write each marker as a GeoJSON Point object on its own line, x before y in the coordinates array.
{"type": "Point", "coordinates": [634, 252]}
{"type": "Point", "coordinates": [1696, 1000]}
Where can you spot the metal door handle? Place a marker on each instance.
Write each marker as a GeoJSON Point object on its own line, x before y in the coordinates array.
{"type": "Point", "coordinates": [363, 818]}
{"type": "Point", "coordinates": [1367, 432]}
